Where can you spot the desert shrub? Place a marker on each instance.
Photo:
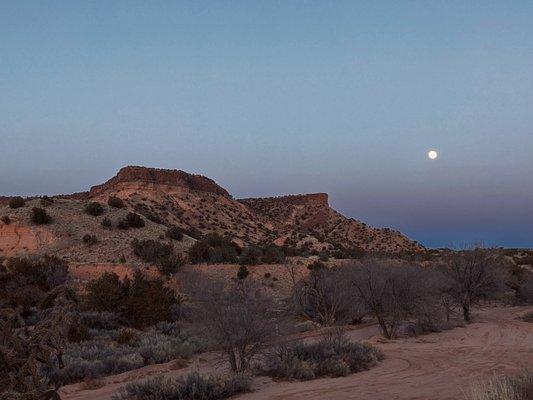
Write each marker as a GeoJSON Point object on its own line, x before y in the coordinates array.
{"type": "Point", "coordinates": [90, 239]}
{"type": "Point", "coordinates": [17, 202]}
{"type": "Point", "coordinates": [5, 219]}
{"type": "Point", "coordinates": [101, 320]}
{"type": "Point", "coordinates": [141, 301]}
{"type": "Point", "coordinates": [175, 233]}
{"type": "Point", "coordinates": [94, 208]}
{"type": "Point", "coordinates": [115, 202]}
{"type": "Point", "coordinates": [46, 201]}
{"type": "Point", "coordinates": [150, 250]}
{"type": "Point", "coordinates": [32, 339]}
{"type": "Point", "coordinates": [106, 293]}
{"type": "Point", "coordinates": [528, 317]}
{"type": "Point", "coordinates": [30, 282]}
{"type": "Point", "coordinates": [194, 233]}
{"type": "Point", "coordinates": [123, 224]}
{"type": "Point", "coordinates": [525, 289]}
{"type": "Point", "coordinates": [243, 272]}
{"type": "Point", "coordinates": [333, 355]}
{"type": "Point", "coordinates": [504, 388]}
{"type": "Point", "coordinates": [251, 255]}
{"type": "Point", "coordinates": [134, 220]}
{"type": "Point", "coordinates": [104, 355]}
{"type": "Point", "coordinates": [125, 336]}
{"type": "Point", "coordinates": [193, 386]}
{"type": "Point", "coordinates": [170, 265]}
{"type": "Point", "coordinates": [148, 301]}
{"type": "Point", "coordinates": [213, 249]}
{"type": "Point", "coordinates": [273, 255]}
{"type": "Point", "coordinates": [106, 223]}
{"type": "Point", "coordinates": [39, 216]}
{"type": "Point", "coordinates": [78, 333]}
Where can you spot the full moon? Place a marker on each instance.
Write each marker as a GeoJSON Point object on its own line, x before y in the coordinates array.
{"type": "Point", "coordinates": [432, 154]}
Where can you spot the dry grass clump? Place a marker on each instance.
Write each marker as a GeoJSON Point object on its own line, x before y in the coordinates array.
{"type": "Point", "coordinates": [194, 386]}
{"type": "Point", "coordinates": [505, 388]}
{"type": "Point", "coordinates": [528, 317]}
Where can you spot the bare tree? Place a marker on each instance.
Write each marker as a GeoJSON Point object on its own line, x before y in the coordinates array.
{"type": "Point", "coordinates": [238, 317]}
{"type": "Point", "coordinates": [391, 291]}
{"type": "Point", "coordinates": [473, 275]}
{"type": "Point", "coordinates": [326, 296]}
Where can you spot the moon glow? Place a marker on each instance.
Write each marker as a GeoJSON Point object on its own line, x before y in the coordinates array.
{"type": "Point", "coordinates": [432, 155]}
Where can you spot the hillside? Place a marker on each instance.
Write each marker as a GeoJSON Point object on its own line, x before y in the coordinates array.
{"type": "Point", "coordinates": [195, 204]}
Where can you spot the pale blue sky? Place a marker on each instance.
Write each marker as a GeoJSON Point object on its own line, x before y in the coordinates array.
{"type": "Point", "coordinates": [279, 97]}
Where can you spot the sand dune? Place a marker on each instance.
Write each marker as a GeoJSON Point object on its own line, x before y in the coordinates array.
{"type": "Point", "coordinates": [438, 366]}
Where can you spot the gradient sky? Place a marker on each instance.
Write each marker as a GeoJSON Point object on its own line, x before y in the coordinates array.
{"type": "Point", "coordinates": [271, 98]}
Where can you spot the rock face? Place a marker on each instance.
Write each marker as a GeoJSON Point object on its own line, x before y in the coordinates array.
{"type": "Point", "coordinates": [15, 239]}
{"type": "Point", "coordinates": [312, 216]}
{"type": "Point", "coordinates": [166, 177]}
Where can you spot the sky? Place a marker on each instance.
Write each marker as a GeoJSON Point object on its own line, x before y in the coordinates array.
{"type": "Point", "coordinates": [280, 97]}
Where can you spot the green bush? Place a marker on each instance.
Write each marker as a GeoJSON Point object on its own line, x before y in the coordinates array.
{"type": "Point", "coordinates": [141, 301]}
{"type": "Point", "coordinates": [193, 386]}
{"type": "Point", "coordinates": [17, 202]}
{"type": "Point", "coordinates": [94, 208]}
{"type": "Point", "coordinates": [39, 216]}
{"type": "Point", "coordinates": [106, 293]}
{"type": "Point", "coordinates": [115, 202]}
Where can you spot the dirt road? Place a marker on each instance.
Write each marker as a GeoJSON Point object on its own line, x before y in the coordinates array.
{"type": "Point", "coordinates": [438, 366]}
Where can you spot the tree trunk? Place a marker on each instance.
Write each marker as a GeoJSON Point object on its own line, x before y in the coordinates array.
{"type": "Point", "coordinates": [384, 329]}
{"type": "Point", "coordinates": [232, 360]}
{"type": "Point", "coordinates": [466, 312]}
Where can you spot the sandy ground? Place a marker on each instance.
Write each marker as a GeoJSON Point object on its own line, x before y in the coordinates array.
{"type": "Point", "coordinates": [438, 366]}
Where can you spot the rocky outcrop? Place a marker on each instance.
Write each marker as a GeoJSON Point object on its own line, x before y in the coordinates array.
{"type": "Point", "coordinates": [168, 177]}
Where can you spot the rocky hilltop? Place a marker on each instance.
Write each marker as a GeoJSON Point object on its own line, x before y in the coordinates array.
{"type": "Point", "coordinates": [198, 206]}
{"type": "Point", "coordinates": [167, 177]}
